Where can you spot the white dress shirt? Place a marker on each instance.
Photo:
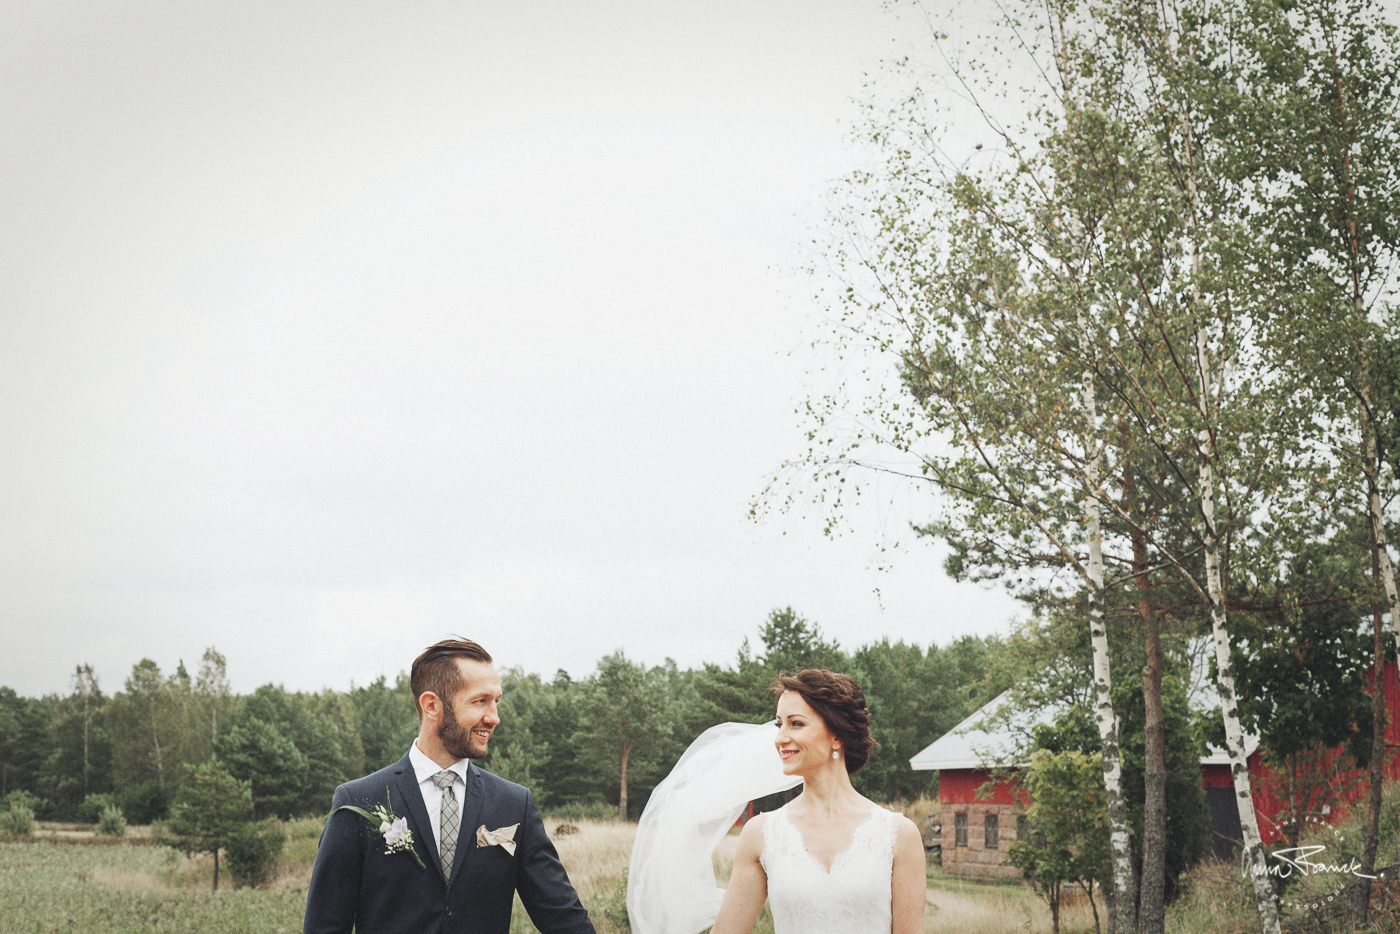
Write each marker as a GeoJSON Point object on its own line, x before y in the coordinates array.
{"type": "Point", "coordinates": [424, 769]}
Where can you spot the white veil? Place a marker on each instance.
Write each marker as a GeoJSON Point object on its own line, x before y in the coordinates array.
{"type": "Point", "coordinates": [671, 881]}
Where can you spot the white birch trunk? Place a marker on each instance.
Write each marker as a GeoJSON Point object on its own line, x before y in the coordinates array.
{"type": "Point", "coordinates": [1122, 918]}
{"type": "Point", "coordinates": [1225, 672]}
{"type": "Point", "coordinates": [1379, 539]}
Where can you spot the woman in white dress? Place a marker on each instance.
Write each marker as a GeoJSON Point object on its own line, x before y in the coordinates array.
{"type": "Point", "coordinates": [830, 860]}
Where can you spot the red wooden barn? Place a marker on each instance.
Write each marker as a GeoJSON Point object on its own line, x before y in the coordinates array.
{"type": "Point", "coordinates": [978, 828]}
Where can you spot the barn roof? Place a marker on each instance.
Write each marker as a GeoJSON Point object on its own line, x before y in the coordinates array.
{"type": "Point", "coordinates": [969, 746]}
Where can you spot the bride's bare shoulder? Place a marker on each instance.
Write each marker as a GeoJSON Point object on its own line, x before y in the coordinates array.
{"type": "Point", "coordinates": [751, 837]}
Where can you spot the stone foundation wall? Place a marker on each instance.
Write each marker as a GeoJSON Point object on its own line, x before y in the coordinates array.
{"type": "Point", "coordinates": [976, 860]}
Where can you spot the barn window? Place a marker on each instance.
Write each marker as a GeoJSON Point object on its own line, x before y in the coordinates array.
{"type": "Point", "coordinates": [992, 835]}
{"type": "Point", "coordinates": [1023, 828]}
{"type": "Point", "coordinates": [959, 830]}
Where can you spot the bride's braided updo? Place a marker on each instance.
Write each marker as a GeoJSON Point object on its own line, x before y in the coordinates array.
{"type": "Point", "coordinates": [840, 702]}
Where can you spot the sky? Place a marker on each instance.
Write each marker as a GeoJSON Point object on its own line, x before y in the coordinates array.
{"type": "Point", "coordinates": [332, 329]}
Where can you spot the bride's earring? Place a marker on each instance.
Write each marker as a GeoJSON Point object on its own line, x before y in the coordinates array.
{"type": "Point", "coordinates": [835, 754]}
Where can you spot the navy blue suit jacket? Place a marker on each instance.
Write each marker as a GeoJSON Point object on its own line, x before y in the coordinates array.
{"type": "Point", "coordinates": [356, 884]}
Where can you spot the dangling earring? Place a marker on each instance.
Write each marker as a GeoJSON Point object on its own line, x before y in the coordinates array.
{"type": "Point", "coordinates": [835, 754]}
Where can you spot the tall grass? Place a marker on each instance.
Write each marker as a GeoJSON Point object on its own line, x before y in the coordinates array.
{"type": "Point", "coordinates": [1215, 899]}
{"type": "Point", "coordinates": [46, 887]}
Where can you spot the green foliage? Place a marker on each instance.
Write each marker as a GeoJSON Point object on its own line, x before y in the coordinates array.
{"type": "Point", "coordinates": [1058, 675]}
{"type": "Point", "coordinates": [294, 749]}
{"type": "Point", "coordinates": [111, 822]}
{"type": "Point", "coordinates": [565, 777]}
{"type": "Point", "coordinates": [81, 761]}
{"type": "Point", "coordinates": [261, 754]}
{"type": "Point", "coordinates": [385, 719]}
{"type": "Point", "coordinates": [615, 909]}
{"type": "Point", "coordinates": [17, 820]}
{"type": "Point", "coordinates": [23, 799]}
{"type": "Point", "coordinates": [26, 741]}
{"type": "Point", "coordinates": [145, 803]}
{"type": "Point", "coordinates": [209, 811]}
{"type": "Point", "coordinates": [625, 717]}
{"type": "Point", "coordinates": [45, 888]}
{"type": "Point", "coordinates": [741, 693]}
{"type": "Point", "coordinates": [91, 808]}
{"type": "Point", "coordinates": [914, 697]}
{"type": "Point", "coordinates": [1188, 821]}
{"type": "Point", "coordinates": [1301, 663]}
{"type": "Point", "coordinates": [791, 643]}
{"type": "Point", "coordinates": [254, 850]}
{"type": "Point", "coordinates": [1069, 826]}
{"type": "Point", "coordinates": [516, 752]}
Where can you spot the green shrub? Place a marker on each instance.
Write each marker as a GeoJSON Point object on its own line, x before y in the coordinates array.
{"type": "Point", "coordinates": [111, 823]}
{"type": "Point", "coordinates": [145, 803]}
{"type": "Point", "coordinates": [254, 851]}
{"type": "Point", "coordinates": [89, 810]}
{"type": "Point", "coordinates": [615, 909]}
{"type": "Point", "coordinates": [18, 821]}
{"type": "Point", "coordinates": [26, 798]}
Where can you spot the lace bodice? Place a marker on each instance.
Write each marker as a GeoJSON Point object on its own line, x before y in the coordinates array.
{"type": "Point", "coordinates": [853, 898]}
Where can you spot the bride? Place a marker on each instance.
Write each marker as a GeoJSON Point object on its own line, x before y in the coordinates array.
{"type": "Point", "coordinates": [830, 860]}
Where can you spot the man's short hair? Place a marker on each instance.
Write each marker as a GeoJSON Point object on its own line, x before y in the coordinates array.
{"type": "Point", "coordinates": [436, 669]}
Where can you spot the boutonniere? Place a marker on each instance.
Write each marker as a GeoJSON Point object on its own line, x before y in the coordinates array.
{"type": "Point", "coordinates": [503, 838]}
{"type": "Point", "coordinates": [397, 837]}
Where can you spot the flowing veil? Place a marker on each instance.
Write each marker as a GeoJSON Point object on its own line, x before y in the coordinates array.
{"type": "Point", "coordinates": [671, 881]}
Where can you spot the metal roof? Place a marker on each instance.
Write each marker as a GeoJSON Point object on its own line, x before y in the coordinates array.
{"type": "Point", "coordinates": [968, 746]}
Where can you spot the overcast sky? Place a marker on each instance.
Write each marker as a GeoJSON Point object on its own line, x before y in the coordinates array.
{"type": "Point", "coordinates": [334, 328]}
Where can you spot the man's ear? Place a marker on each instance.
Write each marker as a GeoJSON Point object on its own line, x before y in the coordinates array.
{"type": "Point", "coordinates": [430, 706]}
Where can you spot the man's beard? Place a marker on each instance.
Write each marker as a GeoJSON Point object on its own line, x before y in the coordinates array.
{"type": "Point", "coordinates": [457, 741]}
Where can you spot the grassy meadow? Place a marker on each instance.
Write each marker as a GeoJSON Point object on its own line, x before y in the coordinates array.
{"type": "Point", "coordinates": [49, 886]}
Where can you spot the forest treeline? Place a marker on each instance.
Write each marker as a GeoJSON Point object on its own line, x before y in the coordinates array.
{"type": "Point", "coordinates": [601, 742]}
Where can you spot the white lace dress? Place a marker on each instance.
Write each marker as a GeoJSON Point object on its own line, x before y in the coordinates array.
{"type": "Point", "coordinates": [853, 898]}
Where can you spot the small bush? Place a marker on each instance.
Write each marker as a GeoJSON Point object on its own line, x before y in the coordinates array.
{"type": "Point", "coordinates": [145, 803]}
{"type": "Point", "coordinates": [111, 823]}
{"type": "Point", "coordinates": [615, 909]}
{"type": "Point", "coordinates": [18, 821]}
{"type": "Point", "coordinates": [1215, 898]}
{"type": "Point", "coordinates": [24, 798]}
{"type": "Point", "coordinates": [254, 851]}
{"type": "Point", "coordinates": [89, 810]}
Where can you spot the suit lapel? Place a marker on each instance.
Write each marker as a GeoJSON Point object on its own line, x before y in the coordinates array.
{"type": "Point", "coordinates": [471, 817]}
{"type": "Point", "coordinates": [407, 791]}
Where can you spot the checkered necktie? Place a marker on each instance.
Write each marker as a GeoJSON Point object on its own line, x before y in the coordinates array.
{"type": "Point", "coordinates": [448, 818]}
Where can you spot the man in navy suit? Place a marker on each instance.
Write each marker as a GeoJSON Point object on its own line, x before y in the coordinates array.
{"type": "Point", "coordinates": [489, 827]}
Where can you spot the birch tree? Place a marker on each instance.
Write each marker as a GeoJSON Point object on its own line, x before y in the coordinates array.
{"type": "Point", "coordinates": [984, 288]}
{"type": "Point", "coordinates": [89, 695]}
{"type": "Point", "coordinates": [1327, 182]}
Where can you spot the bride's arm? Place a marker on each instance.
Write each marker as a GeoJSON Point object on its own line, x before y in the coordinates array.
{"type": "Point", "coordinates": [909, 882]}
{"type": "Point", "coordinates": [748, 884]}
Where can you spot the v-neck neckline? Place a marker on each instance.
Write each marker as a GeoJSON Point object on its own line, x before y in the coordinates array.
{"type": "Point", "coordinates": [802, 839]}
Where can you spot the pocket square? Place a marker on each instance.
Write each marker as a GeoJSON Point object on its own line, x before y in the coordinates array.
{"type": "Point", "coordinates": [504, 838]}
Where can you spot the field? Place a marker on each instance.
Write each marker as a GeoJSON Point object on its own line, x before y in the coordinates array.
{"type": "Point", "coordinates": [48, 887]}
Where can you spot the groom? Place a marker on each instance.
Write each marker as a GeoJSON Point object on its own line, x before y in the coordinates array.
{"type": "Point", "coordinates": [479, 837]}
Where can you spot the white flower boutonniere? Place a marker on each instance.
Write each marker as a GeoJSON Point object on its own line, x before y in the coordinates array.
{"type": "Point", "coordinates": [397, 837]}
